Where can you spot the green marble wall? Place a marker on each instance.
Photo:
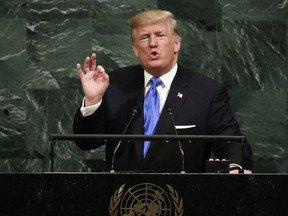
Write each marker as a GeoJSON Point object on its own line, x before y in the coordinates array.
{"type": "Point", "coordinates": [241, 43]}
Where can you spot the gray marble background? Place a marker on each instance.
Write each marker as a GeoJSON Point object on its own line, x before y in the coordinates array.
{"type": "Point", "coordinates": [241, 43]}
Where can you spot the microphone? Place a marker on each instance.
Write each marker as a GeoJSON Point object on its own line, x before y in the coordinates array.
{"type": "Point", "coordinates": [169, 109]}
{"type": "Point", "coordinates": [134, 113]}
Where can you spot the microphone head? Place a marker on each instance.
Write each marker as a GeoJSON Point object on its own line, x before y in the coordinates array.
{"type": "Point", "coordinates": [136, 109]}
{"type": "Point", "coordinates": [169, 109]}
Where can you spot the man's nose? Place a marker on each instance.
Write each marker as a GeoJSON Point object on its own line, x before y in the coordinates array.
{"type": "Point", "coordinates": [153, 41]}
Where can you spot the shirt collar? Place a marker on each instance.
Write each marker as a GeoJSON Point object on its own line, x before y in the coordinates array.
{"type": "Point", "coordinates": [167, 78]}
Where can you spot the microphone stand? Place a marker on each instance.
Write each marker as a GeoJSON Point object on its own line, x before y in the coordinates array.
{"type": "Point", "coordinates": [179, 143]}
{"type": "Point", "coordinates": [135, 111]}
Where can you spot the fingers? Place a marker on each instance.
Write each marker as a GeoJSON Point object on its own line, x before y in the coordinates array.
{"type": "Point", "coordinates": [93, 62]}
{"type": "Point", "coordinates": [91, 66]}
{"type": "Point", "coordinates": [234, 171]}
{"type": "Point", "coordinates": [100, 69]}
{"type": "Point", "coordinates": [79, 70]}
{"type": "Point", "coordinates": [247, 171]}
{"type": "Point", "coordinates": [102, 73]}
{"type": "Point", "coordinates": [87, 64]}
{"type": "Point", "coordinates": [90, 63]}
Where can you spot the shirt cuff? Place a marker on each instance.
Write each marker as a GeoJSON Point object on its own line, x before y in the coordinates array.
{"type": "Point", "coordinates": [89, 110]}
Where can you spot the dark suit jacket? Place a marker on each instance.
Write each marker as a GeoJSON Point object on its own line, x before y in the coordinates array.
{"type": "Point", "coordinates": [202, 102]}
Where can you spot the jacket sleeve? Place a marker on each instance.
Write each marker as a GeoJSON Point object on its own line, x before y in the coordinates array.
{"type": "Point", "coordinates": [223, 122]}
{"type": "Point", "coordinates": [93, 124]}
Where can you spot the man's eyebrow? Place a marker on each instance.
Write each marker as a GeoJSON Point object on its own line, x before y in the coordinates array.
{"type": "Point", "coordinates": [159, 32]}
{"type": "Point", "coordinates": [144, 35]}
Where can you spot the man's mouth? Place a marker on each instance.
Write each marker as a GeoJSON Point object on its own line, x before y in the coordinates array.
{"type": "Point", "coordinates": [154, 55]}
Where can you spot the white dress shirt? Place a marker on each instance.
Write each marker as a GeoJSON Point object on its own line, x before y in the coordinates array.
{"type": "Point", "coordinates": [163, 90]}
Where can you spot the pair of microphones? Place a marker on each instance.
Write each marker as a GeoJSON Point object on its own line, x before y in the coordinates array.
{"type": "Point", "coordinates": [133, 115]}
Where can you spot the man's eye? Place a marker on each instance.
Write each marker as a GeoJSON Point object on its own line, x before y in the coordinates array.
{"type": "Point", "coordinates": [145, 37]}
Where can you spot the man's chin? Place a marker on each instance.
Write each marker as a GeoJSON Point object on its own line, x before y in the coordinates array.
{"type": "Point", "coordinates": [155, 64]}
{"type": "Point", "coordinates": [154, 67]}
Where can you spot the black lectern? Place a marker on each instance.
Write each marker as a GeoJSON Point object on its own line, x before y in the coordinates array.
{"type": "Point", "coordinates": [106, 194]}
{"type": "Point", "coordinates": [129, 194]}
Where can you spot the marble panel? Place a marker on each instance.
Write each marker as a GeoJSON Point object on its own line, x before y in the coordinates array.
{"type": "Point", "coordinates": [255, 9]}
{"type": "Point", "coordinates": [47, 10]}
{"type": "Point", "coordinates": [242, 44]}
{"type": "Point", "coordinates": [111, 38]}
{"type": "Point", "coordinates": [242, 55]}
{"type": "Point", "coordinates": [254, 54]}
{"type": "Point", "coordinates": [110, 9]}
{"type": "Point", "coordinates": [209, 10]}
{"type": "Point", "coordinates": [13, 65]}
{"type": "Point", "coordinates": [55, 47]}
{"type": "Point", "coordinates": [205, 14]}
{"type": "Point", "coordinates": [13, 9]}
{"type": "Point", "coordinates": [51, 112]}
{"type": "Point", "coordinates": [12, 124]}
{"type": "Point", "coordinates": [262, 116]}
{"type": "Point", "coordinates": [24, 165]}
{"type": "Point", "coordinates": [199, 49]}
{"type": "Point", "coordinates": [53, 9]}
{"type": "Point", "coordinates": [13, 75]}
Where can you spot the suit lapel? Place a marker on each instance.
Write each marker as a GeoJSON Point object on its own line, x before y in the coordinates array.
{"type": "Point", "coordinates": [176, 97]}
{"type": "Point", "coordinates": [136, 97]}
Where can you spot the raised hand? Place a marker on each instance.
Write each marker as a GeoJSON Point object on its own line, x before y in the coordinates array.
{"type": "Point", "coordinates": [94, 80]}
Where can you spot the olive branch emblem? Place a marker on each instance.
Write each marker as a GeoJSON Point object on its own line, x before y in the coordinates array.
{"type": "Point", "coordinates": [177, 201]}
{"type": "Point", "coordinates": [115, 200]}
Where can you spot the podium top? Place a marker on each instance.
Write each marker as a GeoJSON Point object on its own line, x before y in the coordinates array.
{"type": "Point", "coordinates": [117, 137]}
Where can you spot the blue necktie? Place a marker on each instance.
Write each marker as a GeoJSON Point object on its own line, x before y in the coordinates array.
{"type": "Point", "coordinates": [151, 111]}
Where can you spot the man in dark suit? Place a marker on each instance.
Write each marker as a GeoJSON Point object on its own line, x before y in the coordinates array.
{"type": "Point", "coordinates": [196, 104]}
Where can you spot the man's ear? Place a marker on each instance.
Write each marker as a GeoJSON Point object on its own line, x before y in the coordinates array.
{"type": "Point", "coordinates": [177, 44]}
{"type": "Point", "coordinates": [135, 50]}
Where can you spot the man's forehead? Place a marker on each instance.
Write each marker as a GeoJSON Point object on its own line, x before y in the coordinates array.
{"type": "Point", "coordinates": [159, 26]}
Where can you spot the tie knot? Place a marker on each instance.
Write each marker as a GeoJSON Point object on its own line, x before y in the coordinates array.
{"type": "Point", "coordinates": [155, 81]}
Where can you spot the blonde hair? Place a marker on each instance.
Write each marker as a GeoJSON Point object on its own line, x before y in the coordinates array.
{"type": "Point", "coordinates": [151, 16]}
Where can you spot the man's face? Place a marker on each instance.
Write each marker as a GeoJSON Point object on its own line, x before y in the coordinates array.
{"type": "Point", "coordinates": [156, 46]}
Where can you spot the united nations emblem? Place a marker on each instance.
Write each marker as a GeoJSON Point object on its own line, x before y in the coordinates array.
{"type": "Point", "coordinates": [146, 199]}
